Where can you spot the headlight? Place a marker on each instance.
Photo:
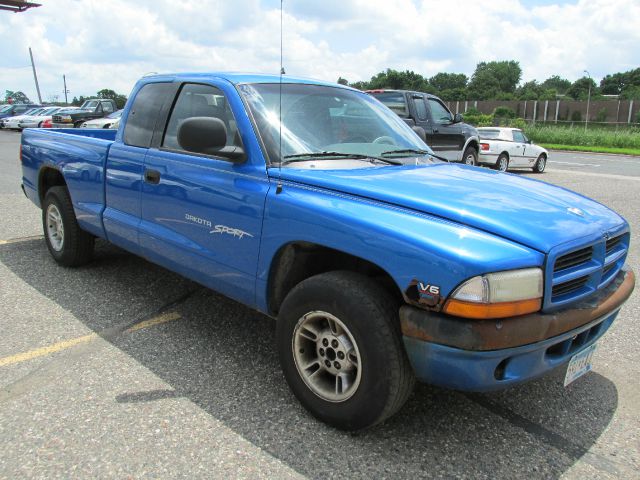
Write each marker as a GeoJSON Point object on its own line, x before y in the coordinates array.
{"type": "Point", "coordinates": [498, 295]}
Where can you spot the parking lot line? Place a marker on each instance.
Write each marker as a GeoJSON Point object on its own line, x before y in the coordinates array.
{"type": "Point", "coordinates": [65, 344]}
{"type": "Point", "coordinates": [21, 239]}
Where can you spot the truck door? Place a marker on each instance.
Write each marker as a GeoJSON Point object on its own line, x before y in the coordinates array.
{"type": "Point", "coordinates": [201, 215]}
{"type": "Point", "coordinates": [447, 138]}
{"type": "Point", "coordinates": [125, 165]}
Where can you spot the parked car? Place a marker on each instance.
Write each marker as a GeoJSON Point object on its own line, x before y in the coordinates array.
{"type": "Point", "coordinates": [377, 270]}
{"type": "Point", "coordinates": [504, 148]}
{"type": "Point", "coordinates": [90, 109]}
{"type": "Point", "coordinates": [35, 120]}
{"type": "Point", "coordinates": [13, 123]}
{"type": "Point", "coordinates": [11, 110]}
{"type": "Point", "coordinates": [443, 131]}
{"type": "Point", "coordinates": [44, 120]}
{"type": "Point", "coordinates": [110, 121]}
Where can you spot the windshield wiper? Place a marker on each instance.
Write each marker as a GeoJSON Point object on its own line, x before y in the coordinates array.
{"type": "Point", "coordinates": [303, 157]}
{"type": "Point", "coordinates": [414, 150]}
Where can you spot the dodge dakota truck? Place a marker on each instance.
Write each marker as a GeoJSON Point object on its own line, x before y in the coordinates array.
{"type": "Point", "coordinates": [443, 131]}
{"type": "Point", "coordinates": [317, 205]}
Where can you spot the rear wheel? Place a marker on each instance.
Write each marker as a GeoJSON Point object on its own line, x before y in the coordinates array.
{"type": "Point", "coordinates": [540, 164]}
{"type": "Point", "coordinates": [341, 351]}
{"type": "Point", "coordinates": [502, 163]}
{"type": "Point", "coordinates": [69, 245]}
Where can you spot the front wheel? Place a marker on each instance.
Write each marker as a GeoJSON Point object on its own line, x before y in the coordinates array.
{"type": "Point", "coordinates": [341, 351]}
{"type": "Point", "coordinates": [502, 164]}
{"type": "Point", "coordinates": [470, 156]}
{"type": "Point", "coordinates": [69, 245]}
{"type": "Point", "coordinates": [540, 164]}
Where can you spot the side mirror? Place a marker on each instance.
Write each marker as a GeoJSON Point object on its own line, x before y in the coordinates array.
{"type": "Point", "coordinates": [208, 136]}
{"type": "Point", "coordinates": [457, 118]}
{"type": "Point", "coordinates": [421, 133]}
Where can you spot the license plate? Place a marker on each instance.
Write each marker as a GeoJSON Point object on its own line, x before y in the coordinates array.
{"type": "Point", "coordinates": [579, 364]}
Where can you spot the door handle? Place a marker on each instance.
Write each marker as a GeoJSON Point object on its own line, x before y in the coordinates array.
{"type": "Point", "coordinates": [152, 176]}
{"type": "Point", "coordinates": [435, 130]}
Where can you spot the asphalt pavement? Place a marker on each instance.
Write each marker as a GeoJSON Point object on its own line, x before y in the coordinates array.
{"type": "Point", "coordinates": [121, 369]}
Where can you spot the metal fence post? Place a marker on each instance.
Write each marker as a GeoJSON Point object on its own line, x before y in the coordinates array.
{"type": "Point", "coordinates": [557, 109]}
{"type": "Point", "coordinates": [546, 107]}
{"type": "Point", "coordinates": [630, 110]}
{"type": "Point", "coordinates": [535, 111]}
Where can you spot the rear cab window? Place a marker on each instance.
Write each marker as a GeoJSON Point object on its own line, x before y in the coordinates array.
{"type": "Point", "coordinates": [144, 113]}
{"type": "Point", "coordinates": [396, 101]}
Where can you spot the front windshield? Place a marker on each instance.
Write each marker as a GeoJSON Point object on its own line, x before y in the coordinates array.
{"type": "Point", "coordinates": [318, 119]}
{"type": "Point", "coordinates": [89, 104]}
{"type": "Point", "coordinates": [5, 108]}
{"type": "Point", "coordinates": [32, 111]}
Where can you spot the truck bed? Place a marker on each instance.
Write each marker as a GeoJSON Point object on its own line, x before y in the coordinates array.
{"type": "Point", "coordinates": [80, 155]}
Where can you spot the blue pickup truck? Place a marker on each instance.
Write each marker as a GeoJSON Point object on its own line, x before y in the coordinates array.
{"type": "Point", "coordinates": [316, 205]}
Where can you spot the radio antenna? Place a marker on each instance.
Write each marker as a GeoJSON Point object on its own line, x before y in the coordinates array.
{"type": "Point", "coordinates": [279, 185]}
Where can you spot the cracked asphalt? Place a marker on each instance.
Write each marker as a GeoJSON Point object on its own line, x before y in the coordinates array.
{"type": "Point", "coordinates": [171, 380]}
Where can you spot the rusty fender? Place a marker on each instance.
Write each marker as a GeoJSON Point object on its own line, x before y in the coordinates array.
{"type": "Point", "coordinates": [515, 331]}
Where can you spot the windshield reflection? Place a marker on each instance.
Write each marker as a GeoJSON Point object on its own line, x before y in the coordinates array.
{"type": "Point", "coordinates": [318, 119]}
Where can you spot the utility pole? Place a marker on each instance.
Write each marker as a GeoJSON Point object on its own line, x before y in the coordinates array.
{"type": "Point", "coordinates": [588, 102]}
{"type": "Point", "coordinates": [35, 76]}
{"type": "Point", "coordinates": [64, 80]}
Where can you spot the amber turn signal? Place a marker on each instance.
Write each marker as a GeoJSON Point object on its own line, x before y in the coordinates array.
{"type": "Point", "coordinates": [483, 311]}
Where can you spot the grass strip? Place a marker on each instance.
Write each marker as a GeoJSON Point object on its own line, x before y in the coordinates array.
{"type": "Point", "coordinates": [592, 149]}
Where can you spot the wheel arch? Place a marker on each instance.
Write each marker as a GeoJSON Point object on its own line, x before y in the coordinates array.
{"type": "Point", "coordinates": [49, 177]}
{"type": "Point", "coordinates": [298, 260]}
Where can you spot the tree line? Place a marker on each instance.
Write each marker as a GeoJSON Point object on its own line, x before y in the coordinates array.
{"type": "Point", "coordinates": [500, 80]}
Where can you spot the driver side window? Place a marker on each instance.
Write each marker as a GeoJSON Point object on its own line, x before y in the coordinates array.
{"type": "Point", "coordinates": [439, 112]}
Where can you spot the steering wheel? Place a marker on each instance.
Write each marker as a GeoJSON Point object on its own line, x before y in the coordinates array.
{"type": "Point", "coordinates": [385, 140]}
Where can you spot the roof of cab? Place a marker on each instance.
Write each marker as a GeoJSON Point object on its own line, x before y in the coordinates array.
{"type": "Point", "coordinates": [240, 78]}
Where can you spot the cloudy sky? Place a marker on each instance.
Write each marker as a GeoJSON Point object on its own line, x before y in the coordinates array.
{"type": "Point", "coordinates": [109, 44]}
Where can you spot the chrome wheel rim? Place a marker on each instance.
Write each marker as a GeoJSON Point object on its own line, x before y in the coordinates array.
{"type": "Point", "coordinates": [541, 164]}
{"type": "Point", "coordinates": [503, 165]}
{"type": "Point", "coordinates": [55, 228]}
{"type": "Point", "coordinates": [470, 160]}
{"type": "Point", "coordinates": [326, 356]}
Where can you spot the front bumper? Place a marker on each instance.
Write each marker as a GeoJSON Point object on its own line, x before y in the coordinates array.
{"type": "Point", "coordinates": [481, 355]}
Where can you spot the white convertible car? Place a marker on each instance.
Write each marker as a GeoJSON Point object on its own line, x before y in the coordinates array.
{"type": "Point", "coordinates": [505, 148]}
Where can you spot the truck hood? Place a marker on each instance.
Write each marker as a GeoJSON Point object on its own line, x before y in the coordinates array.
{"type": "Point", "coordinates": [530, 212]}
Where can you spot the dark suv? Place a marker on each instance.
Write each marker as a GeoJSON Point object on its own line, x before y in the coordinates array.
{"type": "Point", "coordinates": [443, 131]}
{"type": "Point", "coordinates": [90, 110]}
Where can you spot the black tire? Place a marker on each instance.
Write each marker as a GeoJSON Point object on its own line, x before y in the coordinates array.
{"type": "Point", "coordinates": [76, 247]}
{"type": "Point", "coordinates": [371, 317]}
{"type": "Point", "coordinates": [470, 156]}
{"type": "Point", "coordinates": [540, 164]}
{"type": "Point", "coordinates": [78, 124]}
{"type": "Point", "coordinates": [502, 163]}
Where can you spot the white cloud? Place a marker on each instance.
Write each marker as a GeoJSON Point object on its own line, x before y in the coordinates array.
{"type": "Point", "coordinates": [100, 44]}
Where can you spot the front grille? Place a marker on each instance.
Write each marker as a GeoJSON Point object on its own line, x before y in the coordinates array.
{"type": "Point", "coordinates": [579, 272]}
{"type": "Point", "coordinates": [612, 243]}
{"type": "Point", "coordinates": [570, 286]}
{"type": "Point", "coordinates": [56, 119]}
{"type": "Point", "coordinates": [574, 258]}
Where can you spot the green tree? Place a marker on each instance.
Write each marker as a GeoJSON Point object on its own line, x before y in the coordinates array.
{"type": "Point", "coordinates": [111, 94]}
{"type": "Point", "coordinates": [343, 81]}
{"type": "Point", "coordinates": [557, 83]}
{"type": "Point", "coordinates": [453, 94]}
{"type": "Point", "coordinates": [448, 81]}
{"type": "Point", "coordinates": [484, 85]}
{"type": "Point", "coordinates": [619, 83]}
{"type": "Point", "coordinates": [395, 79]}
{"type": "Point", "coordinates": [579, 89]}
{"type": "Point", "coordinates": [15, 97]}
{"type": "Point", "coordinates": [530, 91]}
{"type": "Point", "coordinates": [506, 74]}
